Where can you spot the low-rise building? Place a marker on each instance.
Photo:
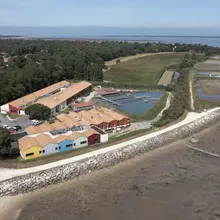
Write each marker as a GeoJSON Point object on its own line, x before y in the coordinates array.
{"type": "Point", "coordinates": [34, 146]}
{"type": "Point", "coordinates": [82, 106]}
{"type": "Point", "coordinates": [56, 97]}
{"type": "Point", "coordinates": [62, 99]}
{"type": "Point", "coordinates": [18, 106]}
{"type": "Point", "coordinates": [124, 121]}
{"type": "Point", "coordinates": [29, 148]}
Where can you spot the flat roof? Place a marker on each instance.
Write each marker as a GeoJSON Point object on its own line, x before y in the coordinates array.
{"type": "Point", "coordinates": [79, 118]}
{"type": "Point", "coordinates": [102, 116]}
{"type": "Point", "coordinates": [60, 97]}
{"type": "Point", "coordinates": [108, 91]}
{"type": "Point", "coordinates": [112, 114]}
{"type": "Point", "coordinates": [31, 97]}
{"type": "Point", "coordinates": [91, 117]}
{"type": "Point", "coordinates": [67, 119]}
{"type": "Point", "coordinates": [39, 129]}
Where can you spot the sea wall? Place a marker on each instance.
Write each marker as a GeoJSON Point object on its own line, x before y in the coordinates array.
{"type": "Point", "coordinates": [30, 182]}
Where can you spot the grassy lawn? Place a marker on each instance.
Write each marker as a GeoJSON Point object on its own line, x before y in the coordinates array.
{"type": "Point", "coordinates": [146, 70]}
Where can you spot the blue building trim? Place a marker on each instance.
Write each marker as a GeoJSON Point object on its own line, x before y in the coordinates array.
{"type": "Point", "coordinates": [65, 145]}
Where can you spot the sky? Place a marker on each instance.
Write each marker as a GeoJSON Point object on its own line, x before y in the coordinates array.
{"type": "Point", "coordinates": [113, 13]}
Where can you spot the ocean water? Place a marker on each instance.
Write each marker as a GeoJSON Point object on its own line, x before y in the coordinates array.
{"type": "Point", "coordinates": [167, 35]}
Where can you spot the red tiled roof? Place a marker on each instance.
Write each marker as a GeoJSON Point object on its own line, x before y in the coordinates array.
{"type": "Point", "coordinates": [108, 91]}
{"type": "Point", "coordinates": [84, 104]}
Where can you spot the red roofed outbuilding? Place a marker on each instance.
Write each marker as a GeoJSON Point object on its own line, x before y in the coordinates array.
{"type": "Point", "coordinates": [83, 106]}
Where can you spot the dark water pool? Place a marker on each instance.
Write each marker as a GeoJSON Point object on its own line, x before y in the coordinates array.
{"type": "Point", "coordinates": [132, 105]}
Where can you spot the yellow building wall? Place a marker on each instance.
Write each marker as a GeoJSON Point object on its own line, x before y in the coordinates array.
{"type": "Point", "coordinates": [35, 150]}
{"type": "Point", "coordinates": [22, 153]}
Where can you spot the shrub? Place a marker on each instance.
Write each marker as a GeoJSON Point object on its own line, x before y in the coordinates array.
{"type": "Point", "coordinates": [5, 141]}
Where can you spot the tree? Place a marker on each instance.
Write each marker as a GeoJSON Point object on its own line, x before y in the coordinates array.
{"type": "Point", "coordinates": [186, 56]}
{"type": "Point", "coordinates": [5, 141]}
{"type": "Point", "coordinates": [38, 111]}
{"type": "Point", "coordinates": [193, 56]}
{"type": "Point", "coordinates": [1, 61]}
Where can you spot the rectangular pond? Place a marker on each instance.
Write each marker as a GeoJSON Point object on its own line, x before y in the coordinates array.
{"type": "Point", "coordinates": [203, 96]}
{"type": "Point", "coordinates": [135, 103]}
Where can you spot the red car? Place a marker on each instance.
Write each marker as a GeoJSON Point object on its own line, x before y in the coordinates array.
{"type": "Point", "coordinates": [12, 131]}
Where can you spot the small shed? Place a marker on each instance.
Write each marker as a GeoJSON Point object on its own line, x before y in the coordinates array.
{"type": "Point", "coordinates": [93, 136]}
{"type": "Point", "coordinates": [79, 140]}
{"type": "Point", "coordinates": [49, 146]}
{"type": "Point", "coordinates": [64, 142]}
{"type": "Point", "coordinates": [83, 106]}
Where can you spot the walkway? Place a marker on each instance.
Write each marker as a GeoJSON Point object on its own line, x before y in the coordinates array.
{"type": "Point", "coordinates": [192, 105]}
{"type": "Point", "coordinates": [170, 96]}
{"type": "Point", "coordinates": [9, 173]}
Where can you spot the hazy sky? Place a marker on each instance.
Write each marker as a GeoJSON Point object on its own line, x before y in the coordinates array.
{"type": "Point", "coordinates": [149, 13]}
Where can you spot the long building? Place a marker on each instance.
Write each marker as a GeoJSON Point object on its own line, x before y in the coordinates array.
{"type": "Point", "coordinates": [46, 144]}
{"type": "Point", "coordinates": [18, 106]}
{"type": "Point", "coordinates": [56, 97]}
{"type": "Point", "coordinates": [62, 99]}
{"type": "Point", "coordinates": [103, 118]}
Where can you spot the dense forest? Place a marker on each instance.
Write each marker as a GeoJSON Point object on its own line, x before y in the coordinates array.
{"type": "Point", "coordinates": [35, 64]}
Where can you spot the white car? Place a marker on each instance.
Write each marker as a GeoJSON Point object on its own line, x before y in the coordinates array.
{"type": "Point", "coordinates": [35, 122]}
{"type": "Point", "coordinates": [6, 126]}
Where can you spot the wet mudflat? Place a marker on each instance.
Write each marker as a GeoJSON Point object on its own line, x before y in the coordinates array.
{"type": "Point", "coordinates": [169, 184]}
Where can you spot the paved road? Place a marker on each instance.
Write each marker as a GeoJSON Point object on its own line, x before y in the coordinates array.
{"type": "Point", "coordinates": [23, 121]}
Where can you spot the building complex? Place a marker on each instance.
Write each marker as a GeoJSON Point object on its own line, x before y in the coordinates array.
{"type": "Point", "coordinates": [84, 126]}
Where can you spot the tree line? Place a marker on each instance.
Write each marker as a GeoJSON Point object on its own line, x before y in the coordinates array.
{"type": "Point", "coordinates": [35, 64]}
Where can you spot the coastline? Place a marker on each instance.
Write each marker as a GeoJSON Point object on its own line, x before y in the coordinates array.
{"type": "Point", "coordinates": [12, 207]}
{"type": "Point", "coordinates": [106, 157]}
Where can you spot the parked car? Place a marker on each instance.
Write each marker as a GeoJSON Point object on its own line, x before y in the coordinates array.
{"type": "Point", "coordinates": [6, 126]}
{"type": "Point", "coordinates": [17, 128]}
{"type": "Point", "coordinates": [35, 122]}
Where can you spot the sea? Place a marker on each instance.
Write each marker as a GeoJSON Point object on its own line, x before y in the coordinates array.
{"type": "Point", "coordinates": [208, 36]}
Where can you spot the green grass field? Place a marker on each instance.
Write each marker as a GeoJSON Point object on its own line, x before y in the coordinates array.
{"type": "Point", "coordinates": [146, 70]}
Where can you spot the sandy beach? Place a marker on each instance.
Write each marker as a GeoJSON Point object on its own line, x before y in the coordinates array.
{"type": "Point", "coordinates": [172, 183]}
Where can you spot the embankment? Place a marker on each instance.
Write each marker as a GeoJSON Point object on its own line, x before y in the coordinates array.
{"type": "Point", "coordinates": [33, 181]}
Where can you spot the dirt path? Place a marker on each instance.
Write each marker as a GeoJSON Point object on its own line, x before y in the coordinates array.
{"type": "Point", "coordinates": [170, 96]}
{"type": "Point", "coordinates": [192, 105]}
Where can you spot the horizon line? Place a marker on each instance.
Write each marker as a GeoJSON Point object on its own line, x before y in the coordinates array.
{"type": "Point", "coordinates": [108, 26]}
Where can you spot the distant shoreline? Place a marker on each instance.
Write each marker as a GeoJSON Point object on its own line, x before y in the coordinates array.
{"type": "Point", "coordinates": [165, 39]}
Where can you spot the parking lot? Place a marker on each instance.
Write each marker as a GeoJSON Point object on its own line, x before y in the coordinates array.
{"type": "Point", "coordinates": [23, 121]}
